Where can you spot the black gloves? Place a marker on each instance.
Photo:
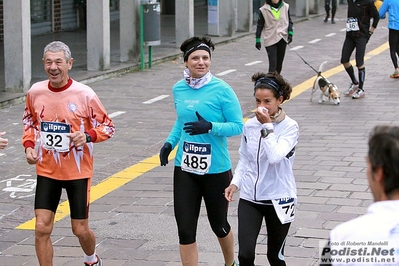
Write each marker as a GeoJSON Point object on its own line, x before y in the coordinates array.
{"type": "Point", "coordinates": [257, 45]}
{"type": "Point", "coordinates": [200, 127]}
{"type": "Point", "coordinates": [164, 153]}
{"type": "Point", "coordinates": [289, 39]}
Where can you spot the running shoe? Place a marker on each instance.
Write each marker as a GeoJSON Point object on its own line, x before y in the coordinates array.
{"type": "Point", "coordinates": [359, 94]}
{"type": "Point", "coordinates": [395, 75]}
{"type": "Point", "coordinates": [351, 90]}
{"type": "Point", "coordinates": [234, 264]}
{"type": "Point", "coordinates": [98, 263]}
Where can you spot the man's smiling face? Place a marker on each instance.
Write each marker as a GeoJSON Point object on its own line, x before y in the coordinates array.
{"type": "Point", "coordinates": [56, 68]}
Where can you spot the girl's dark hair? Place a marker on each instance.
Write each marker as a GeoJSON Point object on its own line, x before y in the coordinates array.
{"type": "Point", "coordinates": [191, 41]}
{"type": "Point", "coordinates": [285, 88]}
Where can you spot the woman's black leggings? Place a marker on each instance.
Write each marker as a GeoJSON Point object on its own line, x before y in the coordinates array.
{"type": "Point", "coordinates": [276, 54]}
{"type": "Point", "coordinates": [250, 216]}
{"type": "Point", "coordinates": [394, 46]}
{"type": "Point", "coordinates": [188, 191]}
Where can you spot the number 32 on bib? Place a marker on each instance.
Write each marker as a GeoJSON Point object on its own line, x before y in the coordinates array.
{"type": "Point", "coordinates": [54, 136]}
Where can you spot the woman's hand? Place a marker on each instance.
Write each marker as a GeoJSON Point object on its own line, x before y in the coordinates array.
{"type": "Point", "coordinates": [229, 192]}
{"type": "Point", "coordinates": [262, 114]}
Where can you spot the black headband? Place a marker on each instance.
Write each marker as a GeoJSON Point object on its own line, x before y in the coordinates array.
{"type": "Point", "coordinates": [196, 46]}
{"type": "Point", "coordinates": [270, 82]}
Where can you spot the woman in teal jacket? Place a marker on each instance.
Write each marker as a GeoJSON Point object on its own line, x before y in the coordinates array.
{"type": "Point", "coordinates": [392, 7]}
{"type": "Point", "coordinates": [208, 111]}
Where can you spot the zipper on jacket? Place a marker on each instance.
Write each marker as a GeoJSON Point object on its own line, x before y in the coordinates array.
{"type": "Point", "coordinates": [258, 162]}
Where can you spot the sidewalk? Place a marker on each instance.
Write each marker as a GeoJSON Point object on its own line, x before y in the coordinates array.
{"type": "Point", "coordinates": [76, 40]}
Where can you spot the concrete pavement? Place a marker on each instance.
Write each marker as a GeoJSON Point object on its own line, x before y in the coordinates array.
{"type": "Point", "coordinates": [134, 222]}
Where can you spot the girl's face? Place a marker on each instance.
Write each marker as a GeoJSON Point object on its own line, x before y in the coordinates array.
{"type": "Point", "coordinates": [198, 63]}
{"type": "Point", "coordinates": [264, 97]}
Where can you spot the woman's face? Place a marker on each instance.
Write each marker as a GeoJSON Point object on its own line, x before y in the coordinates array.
{"type": "Point", "coordinates": [198, 63]}
{"type": "Point", "coordinates": [265, 98]}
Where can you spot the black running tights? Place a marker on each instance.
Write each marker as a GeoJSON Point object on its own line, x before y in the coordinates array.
{"type": "Point", "coordinates": [250, 216]}
{"type": "Point", "coordinates": [394, 46]}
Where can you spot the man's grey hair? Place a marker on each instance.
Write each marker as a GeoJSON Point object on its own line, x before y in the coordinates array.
{"type": "Point", "coordinates": [58, 46]}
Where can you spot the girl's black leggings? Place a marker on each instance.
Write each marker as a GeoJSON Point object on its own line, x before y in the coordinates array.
{"type": "Point", "coordinates": [250, 216]}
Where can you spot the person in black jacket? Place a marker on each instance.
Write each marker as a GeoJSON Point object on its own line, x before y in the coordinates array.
{"type": "Point", "coordinates": [358, 33]}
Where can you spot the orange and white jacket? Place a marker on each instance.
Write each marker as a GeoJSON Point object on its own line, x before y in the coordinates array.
{"type": "Point", "coordinates": [76, 105]}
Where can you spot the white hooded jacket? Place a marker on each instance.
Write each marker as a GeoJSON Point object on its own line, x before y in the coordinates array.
{"type": "Point", "coordinates": [264, 171]}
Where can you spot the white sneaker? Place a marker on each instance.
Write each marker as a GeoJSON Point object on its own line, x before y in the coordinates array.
{"type": "Point", "coordinates": [351, 90]}
{"type": "Point", "coordinates": [98, 263]}
{"type": "Point", "coordinates": [359, 94]}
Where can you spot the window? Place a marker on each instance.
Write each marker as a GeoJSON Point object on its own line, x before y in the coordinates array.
{"type": "Point", "coordinates": [40, 11]}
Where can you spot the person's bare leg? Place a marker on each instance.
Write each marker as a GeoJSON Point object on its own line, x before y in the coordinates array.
{"type": "Point", "coordinates": [43, 229]}
{"type": "Point", "coordinates": [189, 254]}
{"type": "Point", "coordinates": [227, 246]}
{"type": "Point", "coordinates": [87, 239]}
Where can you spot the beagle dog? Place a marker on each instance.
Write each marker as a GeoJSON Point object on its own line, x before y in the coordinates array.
{"type": "Point", "coordinates": [328, 89]}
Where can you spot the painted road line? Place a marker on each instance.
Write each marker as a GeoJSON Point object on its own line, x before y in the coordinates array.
{"type": "Point", "coordinates": [119, 179]}
{"type": "Point", "coordinates": [160, 97]}
{"type": "Point", "coordinates": [108, 185]}
{"type": "Point", "coordinates": [253, 63]}
{"type": "Point", "coordinates": [116, 114]}
{"type": "Point", "coordinates": [226, 72]}
{"type": "Point", "coordinates": [331, 34]}
{"type": "Point", "coordinates": [297, 48]}
{"type": "Point", "coordinates": [315, 41]}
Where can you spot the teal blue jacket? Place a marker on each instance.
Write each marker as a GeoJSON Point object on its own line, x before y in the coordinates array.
{"type": "Point", "coordinates": [217, 103]}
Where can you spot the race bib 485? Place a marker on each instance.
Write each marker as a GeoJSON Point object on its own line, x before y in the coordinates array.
{"type": "Point", "coordinates": [196, 157]}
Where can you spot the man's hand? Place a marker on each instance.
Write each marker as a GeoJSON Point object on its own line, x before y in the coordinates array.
{"type": "Point", "coordinates": [78, 138]}
{"type": "Point", "coordinates": [31, 155]}
{"type": "Point", "coordinates": [3, 142]}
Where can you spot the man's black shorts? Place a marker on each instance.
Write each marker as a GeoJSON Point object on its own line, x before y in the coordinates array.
{"type": "Point", "coordinates": [48, 194]}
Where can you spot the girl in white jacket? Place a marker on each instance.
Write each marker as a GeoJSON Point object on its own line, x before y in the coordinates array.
{"type": "Point", "coordinates": [264, 172]}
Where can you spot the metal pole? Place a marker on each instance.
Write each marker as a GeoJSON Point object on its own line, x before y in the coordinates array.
{"type": "Point", "coordinates": [142, 65]}
{"type": "Point", "coordinates": [149, 56]}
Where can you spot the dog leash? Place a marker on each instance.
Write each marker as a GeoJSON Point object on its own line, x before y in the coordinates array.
{"type": "Point", "coordinates": [318, 72]}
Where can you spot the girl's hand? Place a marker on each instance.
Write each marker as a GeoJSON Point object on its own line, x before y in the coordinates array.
{"type": "Point", "coordinates": [262, 114]}
{"type": "Point", "coordinates": [229, 192]}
